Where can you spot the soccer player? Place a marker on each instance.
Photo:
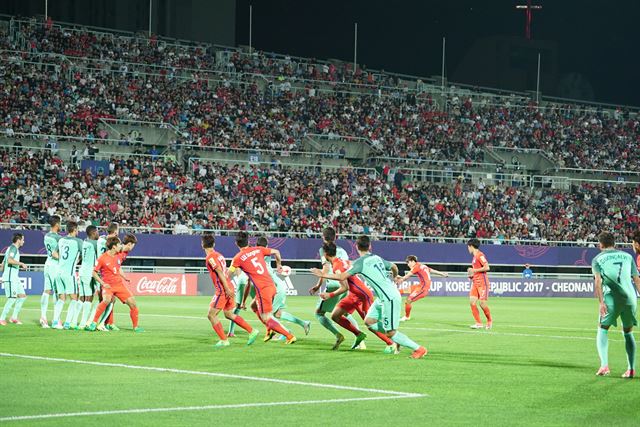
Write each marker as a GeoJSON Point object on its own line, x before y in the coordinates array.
{"type": "Point", "coordinates": [107, 273]}
{"type": "Point", "coordinates": [615, 272]}
{"type": "Point", "coordinates": [636, 246]}
{"type": "Point", "coordinates": [241, 282]}
{"type": "Point", "coordinates": [327, 306]}
{"type": "Point", "coordinates": [224, 297]}
{"type": "Point", "coordinates": [50, 267]}
{"type": "Point", "coordinates": [112, 231]}
{"type": "Point", "coordinates": [69, 249]}
{"type": "Point", "coordinates": [88, 285]}
{"type": "Point", "coordinates": [480, 284]}
{"type": "Point", "coordinates": [251, 261]}
{"type": "Point", "coordinates": [279, 301]}
{"type": "Point", "coordinates": [424, 275]}
{"type": "Point", "coordinates": [13, 289]}
{"type": "Point", "coordinates": [358, 299]}
{"type": "Point", "coordinates": [384, 313]}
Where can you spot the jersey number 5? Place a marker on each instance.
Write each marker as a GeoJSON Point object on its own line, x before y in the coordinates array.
{"type": "Point", "coordinates": [257, 265]}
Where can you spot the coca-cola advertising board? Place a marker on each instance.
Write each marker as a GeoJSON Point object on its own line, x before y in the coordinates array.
{"type": "Point", "coordinates": [168, 284]}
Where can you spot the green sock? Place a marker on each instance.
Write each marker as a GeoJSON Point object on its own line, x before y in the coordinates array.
{"type": "Point", "coordinates": [328, 324]}
{"type": "Point", "coordinates": [18, 307]}
{"type": "Point", "coordinates": [404, 341]}
{"type": "Point", "coordinates": [602, 342]}
{"type": "Point", "coordinates": [106, 313]}
{"type": "Point", "coordinates": [232, 326]}
{"type": "Point", "coordinates": [630, 346]}
{"type": "Point", "coordinates": [44, 304]}
{"type": "Point", "coordinates": [291, 318]}
{"type": "Point", "coordinates": [376, 327]}
{"type": "Point", "coordinates": [7, 308]}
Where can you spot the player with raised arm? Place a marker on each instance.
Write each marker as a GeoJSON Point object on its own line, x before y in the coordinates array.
{"type": "Point", "coordinates": [224, 297]}
{"type": "Point", "coordinates": [251, 261]}
{"type": "Point", "coordinates": [50, 267]}
{"type": "Point", "coordinates": [107, 272]}
{"type": "Point", "coordinates": [241, 283]}
{"type": "Point", "coordinates": [13, 289]}
{"type": "Point", "coordinates": [359, 298]}
{"type": "Point", "coordinates": [480, 286]}
{"type": "Point", "coordinates": [69, 249]}
{"type": "Point", "coordinates": [424, 275]}
{"type": "Point", "coordinates": [615, 273]}
{"type": "Point", "coordinates": [279, 301]}
{"type": "Point", "coordinates": [88, 285]}
{"type": "Point", "coordinates": [384, 313]}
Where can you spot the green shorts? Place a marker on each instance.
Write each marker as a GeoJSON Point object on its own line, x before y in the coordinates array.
{"type": "Point", "coordinates": [386, 312]}
{"type": "Point", "coordinates": [14, 288]}
{"type": "Point", "coordinates": [51, 275]}
{"type": "Point", "coordinates": [279, 301]}
{"type": "Point", "coordinates": [88, 287]}
{"type": "Point", "coordinates": [67, 284]}
{"type": "Point", "coordinates": [240, 292]}
{"type": "Point", "coordinates": [626, 312]}
{"type": "Point", "coordinates": [327, 306]}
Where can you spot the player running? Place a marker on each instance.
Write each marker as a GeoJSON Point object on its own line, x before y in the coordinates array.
{"type": "Point", "coordinates": [327, 306]}
{"type": "Point", "coordinates": [88, 285]}
{"type": "Point", "coordinates": [224, 297]}
{"type": "Point", "coordinates": [424, 275]}
{"type": "Point", "coordinates": [241, 283]}
{"type": "Point", "coordinates": [279, 301]}
{"type": "Point", "coordinates": [13, 288]}
{"type": "Point", "coordinates": [50, 267]}
{"type": "Point", "coordinates": [251, 261]}
{"type": "Point", "coordinates": [358, 299]}
{"type": "Point", "coordinates": [111, 279]}
{"type": "Point", "coordinates": [615, 272]}
{"type": "Point", "coordinates": [384, 313]}
{"type": "Point", "coordinates": [480, 286]}
{"type": "Point", "coordinates": [69, 249]}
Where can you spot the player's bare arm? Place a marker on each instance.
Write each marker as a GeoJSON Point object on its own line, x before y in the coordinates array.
{"type": "Point", "coordinates": [125, 278]}
{"type": "Point", "coordinates": [247, 289]}
{"type": "Point", "coordinates": [599, 295]}
{"type": "Point", "coordinates": [55, 255]}
{"type": "Point", "coordinates": [400, 279]}
{"type": "Point", "coordinates": [276, 254]}
{"type": "Point", "coordinates": [325, 270]}
{"type": "Point", "coordinates": [12, 261]}
{"type": "Point", "coordinates": [439, 273]}
{"type": "Point", "coordinates": [344, 287]}
{"type": "Point", "coordinates": [394, 271]}
{"type": "Point", "coordinates": [636, 281]}
{"type": "Point", "coordinates": [223, 278]}
{"type": "Point", "coordinates": [98, 279]}
{"type": "Point", "coordinates": [339, 277]}
{"type": "Point", "coordinates": [485, 268]}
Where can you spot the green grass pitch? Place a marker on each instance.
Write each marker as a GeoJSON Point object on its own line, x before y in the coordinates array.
{"type": "Point", "coordinates": [536, 367]}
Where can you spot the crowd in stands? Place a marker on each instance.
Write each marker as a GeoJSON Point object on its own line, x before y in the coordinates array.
{"type": "Point", "coordinates": [275, 199]}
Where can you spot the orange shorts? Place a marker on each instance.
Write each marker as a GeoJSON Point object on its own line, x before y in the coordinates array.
{"type": "Point", "coordinates": [264, 298]}
{"type": "Point", "coordinates": [417, 294]}
{"type": "Point", "coordinates": [354, 302]}
{"type": "Point", "coordinates": [120, 292]}
{"type": "Point", "coordinates": [479, 291]}
{"type": "Point", "coordinates": [221, 302]}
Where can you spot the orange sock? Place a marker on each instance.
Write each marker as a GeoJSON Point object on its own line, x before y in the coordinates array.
{"type": "Point", "coordinates": [344, 322]}
{"type": "Point", "coordinates": [220, 331]}
{"type": "Point", "coordinates": [407, 309]}
{"type": "Point", "coordinates": [243, 324]}
{"type": "Point", "coordinates": [476, 313]}
{"type": "Point", "coordinates": [276, 326]}
{"type": "Point", "coordinates": [383, 337]}
{"type": "Point", "coordinates": [259, 317]}
{"type": "Point", "coordinates": [134, 316]}
{"type": "Point", "coordinates": [101, 308]}
{"type": "Point", "coordinates": [487, 313]}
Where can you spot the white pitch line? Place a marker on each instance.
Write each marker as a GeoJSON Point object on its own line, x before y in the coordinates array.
{"type": "Point", "coordinates": [510, 334]}
{"type": "Point", "coordinates": [202, 408]}
{"type": "Point", "coordinates": [212, 374]}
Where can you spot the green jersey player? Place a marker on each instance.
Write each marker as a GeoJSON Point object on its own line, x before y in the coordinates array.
{"type": "Point", "coordinates": [615, 273]}
{"type": "Point", "coordinates": [50, 267]}
{"type": "Point", "coordinates": [69, 249]}
{"type": "Point", "coordinates": [88, 285]}
{"type": "Point", "coordinates": [243, 290]}
{"type": "Point", "coordinates": [13, 288]}
{"type": "Point", "coordinates": [384, 314]}
{"type": "Point", "coordinates": [326, 306]}
{"type": "Point", "coordinates": [279, 301]}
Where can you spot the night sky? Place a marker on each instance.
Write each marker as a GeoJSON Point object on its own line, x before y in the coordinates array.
{"type": "Point", "coordinates": [597, 40]}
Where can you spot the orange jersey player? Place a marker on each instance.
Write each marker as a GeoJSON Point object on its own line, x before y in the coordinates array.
{"type": "Point", "coordinates": [107, 273]}
{"type": "Point", "coordinates": [422, 290]}
{"type": "Point", "coordinates": [480, 286]}
{"type": "Point", "coordinates": [250, 259]}
{"type": "Point", "coordinates": [358, 299]}
{"type": "Point", "coordinates": [223, 299]}
{"type": "Point", "coordinates": [636, 246]}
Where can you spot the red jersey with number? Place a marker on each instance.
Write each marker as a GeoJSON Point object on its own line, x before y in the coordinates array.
{"type": "Point", "coordinates": [424, 275]}
{"type": "Point", "coordinates": [216, 260]}
{"type": "Point", "coordinates": [108, 267]}
{"type": "Point", "coordinates": [356, 285]}
{"type": "Point", "coordinates": [251, 261]}
{"type": "Point", "coordinates": [479, 261]}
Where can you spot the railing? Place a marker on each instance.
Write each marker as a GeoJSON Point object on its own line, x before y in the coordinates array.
{"type": "Point", "coordinates": [99, 155]}
{"type": "Point", "coordinates": [582, 171]}
{"type": "Point", "coordinates": [269, 162]}
{"type": "Point", "coordinates": [420, 160]}
{"type": "Point", "coordinates": [318, 235]}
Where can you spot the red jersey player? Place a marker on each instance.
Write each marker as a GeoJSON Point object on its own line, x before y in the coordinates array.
{"type": "Point", "coordinates": [107, 273]}
{"type": "Point", "coordinates": [480, 286]}
{"type": "Point", "coordinates": [251, 261]}
{"type": "Point", "coordinates": [224, 298]}
{"type": "Point", "coordinates": [107, 320]}
{"type": "Point", "coordinates": [422, 290]}
{"type": "Point", "coordinates": [359, 299]}
{"type": "Point", "coordinates": [636, 246]}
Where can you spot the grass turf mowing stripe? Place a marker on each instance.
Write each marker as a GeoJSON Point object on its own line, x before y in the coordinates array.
{"type": "Point", "coordinates": [214, 374]}
{"type": "Point", "coordinates": [203, 408]}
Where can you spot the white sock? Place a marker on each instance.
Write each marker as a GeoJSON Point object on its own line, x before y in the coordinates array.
{"type": "Point", "coordinates": [76, 313]}
{"type": "Point", "coordinates": [86, 310]}
{"type": "Point", "coordinates": [94, 308]}
{"type": "Point", "coordinates": [71, 311]}
{"type": "Point", "coordinates": [57, 311]}
{"type": "Point", "coordinates": [18, 307]}
{"type": "Point", "coordinates": [7, 308]}
{"type": "Point", "coordinates": [44, 305]}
